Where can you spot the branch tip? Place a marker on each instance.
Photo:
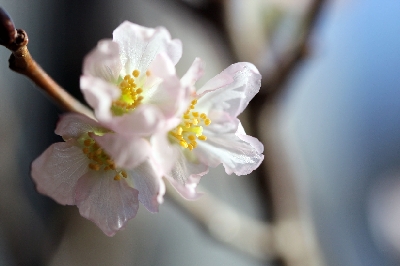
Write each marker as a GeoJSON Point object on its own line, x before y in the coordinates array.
{"type": "Point", "coordinates": [8, 34]}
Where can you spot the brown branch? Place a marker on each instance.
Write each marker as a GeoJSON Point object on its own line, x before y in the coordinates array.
{"type": "Point", "coordinates": [22, 62]}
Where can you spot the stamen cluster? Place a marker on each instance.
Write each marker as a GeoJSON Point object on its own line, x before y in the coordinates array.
{"type": "Point", "coordinates": [191, 128]}
{"type": "Point", "coordinates": [131, 91]}
{"type": "Point", "coordinates": [99, 159]}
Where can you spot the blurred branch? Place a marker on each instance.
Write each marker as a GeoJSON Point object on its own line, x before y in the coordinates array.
{"type": "Point", "coordinates": [223, 223]}
{"type": "Point", "coordinates": [286, 66]}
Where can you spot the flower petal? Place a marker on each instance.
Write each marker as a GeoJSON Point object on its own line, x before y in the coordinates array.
{"type": "Point", "coordinates": [149, 184]}
{"type": "Point", "coordinates": [231, 90]}
{"type": "Point", "coordinates": [126, 151]}
{"type": "Point", "coordinates": [57, 170]}
{"type": "Point", "coordinates": [169, 96]}
{"type": "Point", "coordinates": [164, 152]}
{"type": "Point", "coordinates": [105, 201]}
{"type": "Point", "coordinates": [195, 71]}
{"type": "Point", "coordinates": [143, 121]}
{"type": "Point", "coordinates": [139, 45]}
{"type": "Point", "coordinates": [74, 125]}
{"type": "Point", "coordinates": [99, 94]}
{"type": "Point", "coordinates": [255, 143]}
{"type": "Point", "coordinates": [236, 154]}
{"type": "Point", "coordinates": [103, 62]}
{"type": "Point", "coordinates": [185, 175]}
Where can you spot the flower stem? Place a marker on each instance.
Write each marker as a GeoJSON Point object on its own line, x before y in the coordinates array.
{"type": "Point", "coordinates": [22, 62]}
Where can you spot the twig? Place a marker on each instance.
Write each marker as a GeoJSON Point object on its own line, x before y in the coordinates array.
{"type": "Point", "coordinates": [22, 62]}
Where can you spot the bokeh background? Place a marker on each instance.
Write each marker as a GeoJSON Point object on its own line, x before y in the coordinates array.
{"type": "Point", "coordinates": [328, 114]}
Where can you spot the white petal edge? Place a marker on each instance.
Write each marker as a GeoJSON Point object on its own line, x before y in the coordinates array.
{"type": "Point", "coordinates": [73, 125]}
{"type": "Point", "coordinates": [236, 155]}
{"type": "Point", "coordinates": [126, 151]}
{"type": "Point", "coordinates": [140, 45]}
{"type": "Point", "coordinates": [57, 170]}
{"type": "Point", "coordinates": [231, 90]}
{"type": "Point", "coordinates": [99, 94]}
{"type": "Point", "coordinates": [185, 175]}
{"type": "Point", "coordinates": [103, 61]}
{"type": "Point", "coordinates": [149, 183]}
{"type": "Point", "coordinates": [109, 203]}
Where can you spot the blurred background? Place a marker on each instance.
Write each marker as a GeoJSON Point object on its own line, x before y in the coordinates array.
{"type": "Point", "coordinates": [328, 114]}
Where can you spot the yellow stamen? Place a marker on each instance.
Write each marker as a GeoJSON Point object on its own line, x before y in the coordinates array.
{"type": "Point", "coordinates": [190, 128]}
{"type": "Point", "coordinates": [202, 137]}
{"type": "Point", "coordinates": [183, 144]}
{"type": "Point", "coordinates": [136, 73]}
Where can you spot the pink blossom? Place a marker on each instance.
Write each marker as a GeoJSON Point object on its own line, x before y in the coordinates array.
{"type": "Point", "coordinates": [80, 172]}
{"type": "Point", "coordinates": [210, 132]}
{"type": "Point", "coordinates": [132, 85]}
{"type": "Point", "coordinates": [130, 81]}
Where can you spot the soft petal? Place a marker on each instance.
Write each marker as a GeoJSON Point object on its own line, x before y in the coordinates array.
{"type": "Point", "coordinates": [186, 174]}
{"type": "Point", "coordinates": [143, 121]}
{"type": "Point", "coordinates": [168, 95]}
{"type": "Point", "coordinates": [126, 151]}
{"type": "Point", "coordinates": [139, 45]}
{"type": "Point", "coordinates": [99, 94]}
{"type": "Point", "coordinates": [164, 152]}
{"type": "Point", "coordinates": [231, 90]}
{"type": "Point", "coordinates": [255, 143]}
{"type": "Point", "coordinates": [162, 66]}
{"type": "Point", "coordinates": [103, 61]}
{"type": "Point", "coordinates": [73, 125]}
{"type": "Point", "coordinates": [105, 201]}
{"type": "Point", "coordinates": [58, 169]}
{"type": "Point", "coordinates": [237, 155]}
{"type": "Point", "coordinates": [149, 184]}
{"type": "Point", "coordinates": [195, 72]}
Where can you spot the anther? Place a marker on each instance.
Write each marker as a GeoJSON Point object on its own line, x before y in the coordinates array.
{"type": "Point", "coordinates": [207, 121]}
{"type": "Point", "coordinates": [87, 142]}
{"type": "Point", "coordinates": [202, 137]}
{"type": "Point", "coordinates": [183, 144]}
{"type": "Point", "coordinates": [136, 73]}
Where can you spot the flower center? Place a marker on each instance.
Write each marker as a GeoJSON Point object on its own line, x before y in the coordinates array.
{"type": "Point", "coordinates": [99, 159]}
{"type": "Point", "coordinates": [191, 128]}
{"type": "Point", "coordinates": [131, 88]}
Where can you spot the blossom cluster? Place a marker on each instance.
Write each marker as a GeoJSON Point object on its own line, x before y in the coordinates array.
{"type": "Point", "coordinates": [150, 126]}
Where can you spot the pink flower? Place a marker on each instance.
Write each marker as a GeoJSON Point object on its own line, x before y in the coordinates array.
{"type": "Point", "coordinates": [80, 172]}
{"type": "Point", "coordinates": [210, 132]}
{"type": "Point", "coordinates": [130, 81]}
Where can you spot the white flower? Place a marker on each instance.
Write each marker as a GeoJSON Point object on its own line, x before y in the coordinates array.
{"type": "Point", "coordinates": [131, 83]}
{"type": "Point", "coordinates": [80, 172]}
{"type": "Point", "coordinates": [210, 132]}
